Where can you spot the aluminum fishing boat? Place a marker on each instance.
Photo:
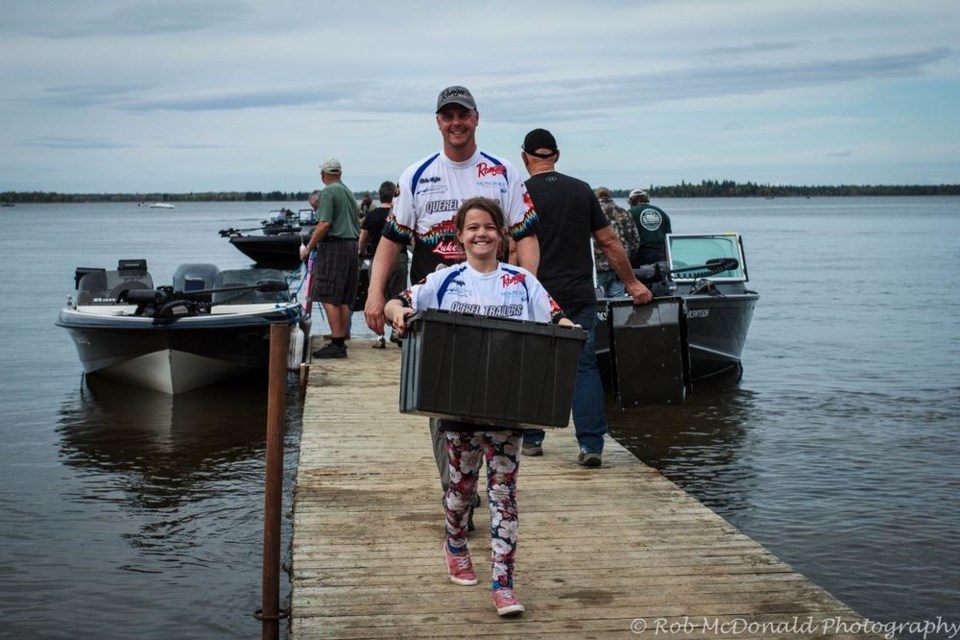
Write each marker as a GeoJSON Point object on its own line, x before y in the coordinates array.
{"type": "Point", "coordinates": [694, 330]}
{"type": "Point", "coordinates": [208, 326]}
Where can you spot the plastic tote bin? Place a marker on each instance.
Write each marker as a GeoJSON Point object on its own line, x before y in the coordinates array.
{"type": "Point", "coordinates": [489, 370]}
{"type": "Point", "coordinates": [649, 347]}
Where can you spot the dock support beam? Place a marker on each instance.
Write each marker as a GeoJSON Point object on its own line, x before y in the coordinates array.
{"type": "Point", "coordinates": [269, 613]}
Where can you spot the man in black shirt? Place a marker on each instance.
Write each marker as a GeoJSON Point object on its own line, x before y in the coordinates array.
{"type": "Point", "coordinates": [570, 215]}
{"type": "Point", "coordinates": [370, 232]}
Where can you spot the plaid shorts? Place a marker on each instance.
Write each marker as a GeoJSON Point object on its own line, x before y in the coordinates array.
{"type": "Point", "coordinates": [335, 273]}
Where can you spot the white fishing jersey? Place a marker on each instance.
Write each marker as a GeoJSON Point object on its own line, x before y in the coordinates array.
{"type": "Point", "coordinates": [429, 194]}
{"type": "Point", "coordinates": [506, 292]}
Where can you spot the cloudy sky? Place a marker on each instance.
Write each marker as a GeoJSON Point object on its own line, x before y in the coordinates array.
{"type": "Point", "coordinates": [198, 95]}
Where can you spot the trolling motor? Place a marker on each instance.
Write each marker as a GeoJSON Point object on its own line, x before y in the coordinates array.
{"type": "Point", "coordinates": [164, 303]}
{"type": "Point", "coordinates": [712, 267]}
{"type": "Point", "coordinates": [656, 276]}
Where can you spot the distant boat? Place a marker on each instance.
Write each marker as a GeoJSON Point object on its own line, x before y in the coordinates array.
{"type": "Point", "coordinates": [161, 205]}
{"type": "Point", "coordinates": [277, 245]}
{"type": "Point", "coordinates": [7, 204]}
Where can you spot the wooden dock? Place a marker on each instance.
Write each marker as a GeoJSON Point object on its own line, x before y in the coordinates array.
{"type": "Point", "coordinates": [618, 551]}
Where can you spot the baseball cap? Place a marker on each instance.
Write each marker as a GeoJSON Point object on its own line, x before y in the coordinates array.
{"type": "Point", "coordinates": [540, 139]}
{"type": "Point", "coordinates": [331, 166]}
{"type": "Point", "coordinates": [637, 193]}
{"type": "Point", "coordinates": [456, 95]}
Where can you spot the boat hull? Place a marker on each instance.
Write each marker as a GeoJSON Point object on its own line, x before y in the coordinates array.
{"type": "Point", "coordinates": [279, 251]}
{"type": "Point", "coordinates": [179, 355]}
{"type": "Point", "coordinates": [717, 329]}
{"type": "Point", "coordinates": [656, 353]}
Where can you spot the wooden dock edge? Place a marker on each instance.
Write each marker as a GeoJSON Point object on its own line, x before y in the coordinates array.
{"type": "Point", "coordinates": [618, 551]}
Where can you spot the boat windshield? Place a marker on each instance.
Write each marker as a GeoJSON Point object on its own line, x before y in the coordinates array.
{"type": "Point", "coordinates": [101, 287]}
{"type": "Point", "coordinates": [685, 250]}
{"type": "Point", "coordinates": [248, 277]}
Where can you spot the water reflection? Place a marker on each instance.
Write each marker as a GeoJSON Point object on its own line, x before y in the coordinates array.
{"type": "Point", "coordinates": [177, 481]}
{"type": "Point", "coordinates": [167, 439]}
{"type": "Point", "coordinates": [700, 443]}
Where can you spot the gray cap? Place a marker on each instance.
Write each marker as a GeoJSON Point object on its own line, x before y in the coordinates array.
{"type": "Point", "coordinates": [456, 95]}
{"type": "Point", "coordinates": [637, 193]}
{"type": "Point", "coordinates": [331, 166]}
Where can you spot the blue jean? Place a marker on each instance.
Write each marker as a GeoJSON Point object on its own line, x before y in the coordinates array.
{"type": "Point", "coordinates": [589, 421]}
{"type": "Point", "coordinates": [610, 285]}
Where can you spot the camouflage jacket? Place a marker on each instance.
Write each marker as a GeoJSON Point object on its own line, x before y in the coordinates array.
{"type": "Point", "coordinates": [623, 227]}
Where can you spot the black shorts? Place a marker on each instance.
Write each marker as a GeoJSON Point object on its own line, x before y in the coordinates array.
{"type": "Point", "coordinates": [336, 271]}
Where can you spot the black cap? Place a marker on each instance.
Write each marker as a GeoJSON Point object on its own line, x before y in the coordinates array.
{"type": "Point", "coordinates": [540, 139]}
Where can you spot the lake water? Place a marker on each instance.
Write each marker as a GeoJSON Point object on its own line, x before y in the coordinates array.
{"type": "Point", "coordinates": [128, 514]}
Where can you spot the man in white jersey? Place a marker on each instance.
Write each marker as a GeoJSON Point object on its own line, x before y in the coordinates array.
{"type": "Point", "coordinates": [431, 190]}
{"type": "Point", "coordinates": [429, 193]}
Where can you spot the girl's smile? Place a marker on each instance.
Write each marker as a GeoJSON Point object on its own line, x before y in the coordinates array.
{"type": "Point", "coordinates": [480, 236]}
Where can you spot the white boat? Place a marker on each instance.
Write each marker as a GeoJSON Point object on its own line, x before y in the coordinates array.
{"type": "Point", "coordinates": [208, 326]}
{"type": "Point", "coordinates": [157, 205]}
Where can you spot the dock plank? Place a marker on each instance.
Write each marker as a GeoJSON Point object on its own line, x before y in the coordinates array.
{"type": "Point", "coordinates": [600, 549]}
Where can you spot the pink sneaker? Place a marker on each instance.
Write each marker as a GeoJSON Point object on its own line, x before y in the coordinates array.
{"type": "Point", "coordinates": [460, 567]}
{"type": "Point", "coordinates": [506, 602]}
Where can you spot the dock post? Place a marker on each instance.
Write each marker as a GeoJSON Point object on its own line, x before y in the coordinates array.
{"type": "Point", "coordinates": [269, 613]}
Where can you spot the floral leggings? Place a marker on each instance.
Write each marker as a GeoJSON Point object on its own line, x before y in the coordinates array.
{"type": "Point", "coordinates": [466, 451]}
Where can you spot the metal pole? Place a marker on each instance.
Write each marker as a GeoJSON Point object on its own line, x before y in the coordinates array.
{"type": "Point", "coordinates": [273, 485]}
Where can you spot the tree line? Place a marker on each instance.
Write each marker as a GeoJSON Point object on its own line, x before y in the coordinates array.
{"type": "Point", "coordinates": [705, 189]}
{"type": "Point", "coordinates": [204, 196]}
{"type": "Point", "coordinates": [732, 189]}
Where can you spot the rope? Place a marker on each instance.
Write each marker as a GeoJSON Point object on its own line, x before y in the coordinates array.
{"type": "Point", "coordinates": [306, 265]}
{"type": "Point", "coordinates": [303, 279]}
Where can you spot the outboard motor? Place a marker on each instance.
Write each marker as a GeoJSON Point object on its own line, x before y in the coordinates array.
{"type": "Point", "coordinates": [195, 277]}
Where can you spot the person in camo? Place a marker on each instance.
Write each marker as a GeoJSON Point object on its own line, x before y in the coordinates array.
{"type": "Point", "coordinates": [608, 283]}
